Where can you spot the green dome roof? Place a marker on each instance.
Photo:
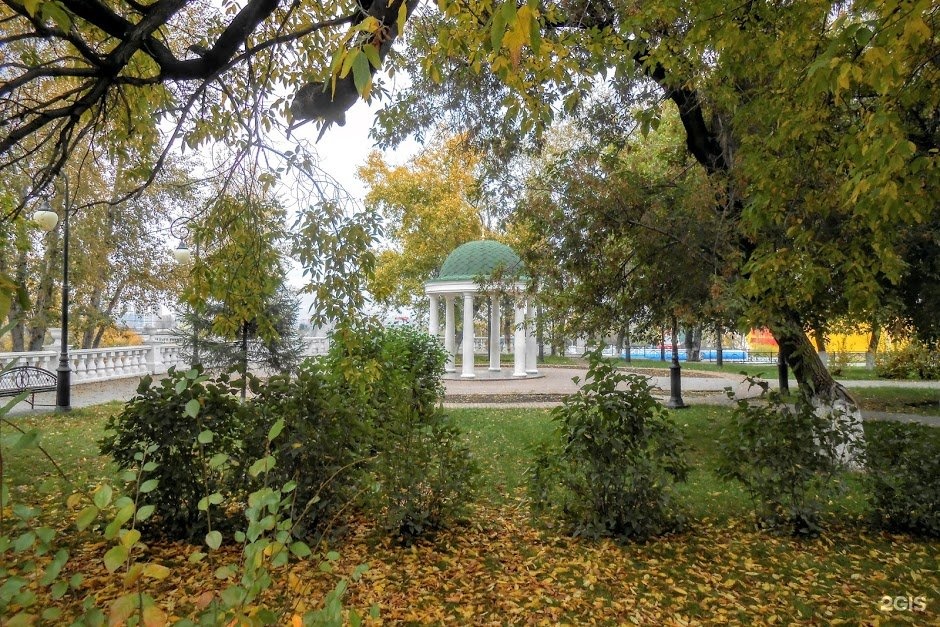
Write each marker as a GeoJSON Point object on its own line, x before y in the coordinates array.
{"type": "Point", "coordinates": [475, 259]}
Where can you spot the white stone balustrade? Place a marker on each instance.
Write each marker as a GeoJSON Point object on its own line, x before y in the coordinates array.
{"type": "Point", "coordinates": [90, 365]}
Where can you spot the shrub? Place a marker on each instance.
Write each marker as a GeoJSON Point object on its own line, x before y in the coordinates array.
{"type": "Point", "coordinates": [616, 459]}
{"type": "Point", "coordinates": [321, 448]}
{"type": "Point", "coordinates": [423, 475]}
{"type": "Point", "coordinates": [914, 361]}
{"type": "Point", "coordinates": [786, 457]}
{"type": "Point", "coordinates": [904, 477]}
{"type": "Point", "coordinates": [182, 423]}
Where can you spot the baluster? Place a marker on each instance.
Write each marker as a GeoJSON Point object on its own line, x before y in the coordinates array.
{"type": "Point", "coordinates": [120, 363]}
{"type": "Point", "coordinates": [78, 368]}
{"type": "Point", "coordinates": [108, 363]}
{"type": "Point", "coordinates": [97, 362]}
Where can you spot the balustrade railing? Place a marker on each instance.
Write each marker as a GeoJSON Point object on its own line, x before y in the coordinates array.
{"type": "Point", "coordinates": [90, 365]}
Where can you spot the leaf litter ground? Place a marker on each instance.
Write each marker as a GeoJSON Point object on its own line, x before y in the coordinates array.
{"type": "Point", "coordinates": [500, 568]}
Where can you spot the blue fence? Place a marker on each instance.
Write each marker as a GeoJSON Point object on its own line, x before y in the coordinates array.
{"type": "Point", "coordinates": [729, 354]}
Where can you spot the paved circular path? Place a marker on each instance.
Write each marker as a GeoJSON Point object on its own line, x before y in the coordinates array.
{"type": "Point", "coordinates": [698, 387]}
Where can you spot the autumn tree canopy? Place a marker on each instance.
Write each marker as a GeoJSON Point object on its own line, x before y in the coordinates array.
{"type": "Point", "coordinates": [429, 208]}
{"type": "Point", "coordinates": [816, 120]}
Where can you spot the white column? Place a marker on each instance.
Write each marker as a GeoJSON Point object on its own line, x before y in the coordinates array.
{"type": "Point", "coordinates": [449, 332]}
{"type": "Point", "coordinates": [494, 333]}
{"type": "Point", "coordinates": [467, 336]}
{"type": "Point", "coordinates": [433, 324]}
{"type": "Point", "coordinates": [518, 341]}
{"type": "Point", "coordinates": [531, 347]}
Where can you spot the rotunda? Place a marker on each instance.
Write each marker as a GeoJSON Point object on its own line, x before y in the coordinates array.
{"type": "Point", "coordinates": [483, 269]}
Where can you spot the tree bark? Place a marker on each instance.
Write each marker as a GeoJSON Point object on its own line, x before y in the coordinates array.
{"type": "Point", "coordinates": [628, 343]}
{"type": "Point", "coordinates": [719, 351]}
{"type": "Point", "coordinates": [817, 386]}
{"type": "Point", "coordinates": [819, 335]}
{"type": "Point", "coordinates": [873, 341]}
{"type": "Point", "coordinates": [108, 312]}
{"type": "Point", "coordinates": [17, 313]}
{"type": "Point", "coordinates": [44, 295]}
{"type": "Point", "coordinates": [693, 343]}
{"type": "Point", "coordinates": [806, 364]}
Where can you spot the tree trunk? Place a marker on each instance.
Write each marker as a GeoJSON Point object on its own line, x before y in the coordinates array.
{"type": "Point", "coordinates": [719, 351]}
{"type": "Point", "coordinates": [873, 341]}
{"type": "Point", "coordinates": [88, 335]}
{"type": "Point", "coordinates": [94, 330]}
{"type": "Point", "coordinates": [628, 343]}
{"type": "Point", "coordinates": [817, 386]}
{"type": "Point", "coordinates": [17, 314]}
{"type": "Point", "coordinates": [107, 313]}
{"type": "Point", "coordinates": [662, 345]}
{"type": "Point", "coordinates": [819, 334]}
{"type": "Point", "coordinates": [45, 292]}
{"type": "Point", "coordinates": [540, 333]}
{"type": "Point", "coordinates": [693, 343]}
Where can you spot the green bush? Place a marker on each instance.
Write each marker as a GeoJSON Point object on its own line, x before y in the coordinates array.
{"type": "Point", "coordinates": [915, 361]}
{"type": "Point", "coordinates": [617, 457]}
{"type": "Point", "coordinates": [171, 432]}
{"type": "Point", "coordinates": [904, 477]}
{"type": "Point", "coordinates": [425, 477]}
{"type": "Point", "coordinates": [786, 457]}
{"type": "Point", "coordinates": [322, 446]}
{"type": "Point", "coordinates": [363, 425]}
{"type": "Point", "coordinates": [422, 473]}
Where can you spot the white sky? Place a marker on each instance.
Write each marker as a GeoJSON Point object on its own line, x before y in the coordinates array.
{"type": "Point", "coordinates": [341, 151]}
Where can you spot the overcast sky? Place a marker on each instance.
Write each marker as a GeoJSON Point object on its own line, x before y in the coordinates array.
{"type": "Point", "coordinates": [342, 150]}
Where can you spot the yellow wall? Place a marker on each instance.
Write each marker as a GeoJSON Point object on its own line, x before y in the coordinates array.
{"type": "Point", "coordinates": [762, 340]}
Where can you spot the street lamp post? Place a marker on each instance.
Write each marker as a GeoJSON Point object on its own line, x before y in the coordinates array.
{"type": "Point", "coordinates": [63, 388]}
{"type": "Point", "coordinates": [675, 373]}
{"type": "Point", "coordinates": [47, 220]}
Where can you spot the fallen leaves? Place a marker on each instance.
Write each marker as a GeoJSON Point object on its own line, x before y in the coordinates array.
{"type": "Point", "coordinates": [500, 569]}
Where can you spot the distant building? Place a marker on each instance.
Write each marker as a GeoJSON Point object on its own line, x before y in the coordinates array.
{"type": "Point", "coordinates": [142, 322]}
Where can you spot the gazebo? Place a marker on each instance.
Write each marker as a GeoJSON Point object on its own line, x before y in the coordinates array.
{"type": "Point", "coordinates": [458, 277]}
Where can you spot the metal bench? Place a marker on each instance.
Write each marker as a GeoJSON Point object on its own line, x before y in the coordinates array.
{"type": "Point", "coordinates": [30, 379]}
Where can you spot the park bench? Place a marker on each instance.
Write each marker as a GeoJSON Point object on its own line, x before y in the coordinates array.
{"type": "Point", "coordinates": [30, 379]}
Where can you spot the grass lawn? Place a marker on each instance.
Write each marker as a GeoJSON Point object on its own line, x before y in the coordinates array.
{"type": "Point", "coordinates": [923, 401]}
{"type": "Point", "coordinates": [501, 568]}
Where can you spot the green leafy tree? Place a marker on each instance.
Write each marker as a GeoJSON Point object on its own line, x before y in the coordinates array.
{"type": "Point", "coordinates": [125, 237]}
{"type": "Point", "coordinates": [621, 238]}
{"type": "Point", "coordinates": [237, 279]}
{"type": "Point", "coordinates": [832, 94]}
